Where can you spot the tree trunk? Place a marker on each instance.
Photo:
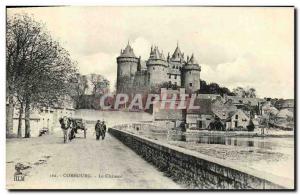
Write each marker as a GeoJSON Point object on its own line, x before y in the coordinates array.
{"type": "Point", "coordinates": [9, 115]}
{"type": "Point", "coordinates": [20, 121]}
{"type": "Point", "coordinates": [27, 119]}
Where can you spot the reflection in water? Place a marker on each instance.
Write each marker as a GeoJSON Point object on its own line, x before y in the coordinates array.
{"type": "Point", "coordinates": [259, 142]}
{"type": "Point", "coordinates": [225, 141]}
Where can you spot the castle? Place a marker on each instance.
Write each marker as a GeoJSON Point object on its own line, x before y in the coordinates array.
{"type": "Point", "coordinates": [157, 71]}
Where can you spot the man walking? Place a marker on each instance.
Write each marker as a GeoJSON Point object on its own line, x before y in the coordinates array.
{"type": "Point", "coordinates": [103, 130]}
{"type": "Point", "coordinates": [98, 129]}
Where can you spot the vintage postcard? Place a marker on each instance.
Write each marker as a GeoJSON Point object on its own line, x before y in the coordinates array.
{"type": "Point", "coordinates": [194, 98]}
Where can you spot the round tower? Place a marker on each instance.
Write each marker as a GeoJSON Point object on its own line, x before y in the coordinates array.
{"type": "Point", "coordinates": [191, 75]}
{"type": "Point", "coordinates": [127, 67]}
{"type": "Point", "coordinates": [157, 67]}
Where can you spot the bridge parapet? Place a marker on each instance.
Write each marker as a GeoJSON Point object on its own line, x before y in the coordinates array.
{"type": "Point", "coordinates": [197, 171]}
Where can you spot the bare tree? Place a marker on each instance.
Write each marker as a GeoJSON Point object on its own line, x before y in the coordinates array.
{"type": "Point", "coordinates": [39, 69]}
{"type": "Point", "coordinates": [100, 84]}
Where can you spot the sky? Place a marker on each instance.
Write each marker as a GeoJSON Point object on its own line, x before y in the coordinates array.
{"type": "Point", "coordinates": [235, 46]}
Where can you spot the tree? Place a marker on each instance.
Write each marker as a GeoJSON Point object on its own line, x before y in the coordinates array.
{"type": "Point", "coordinates": [239, 91]}
{"type": "Point", "coordinates": [100, 84]}
{"type": "Point", "coordinates": [249, 92]}
{"type": "Point", "coordinates": [39, 68]}
{"type": "Point", "coordinates": [79, 87]}
{"type": "Point", "coordinates": [213, 88]}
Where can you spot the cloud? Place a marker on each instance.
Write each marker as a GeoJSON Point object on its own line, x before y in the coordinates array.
{"type": "Point", "coordinates": [235, 46]}
{"type": "Point", "coordinates": [246, 72]}
{"type": "Point", "coordinates": [99, 63]}
{"type": "Point", "coordinates": [141, 47]}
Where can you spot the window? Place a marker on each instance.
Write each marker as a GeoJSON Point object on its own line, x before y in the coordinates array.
{"type": "Point", "coordinates": [235, 124]}
{"type": "Point", "coordinates": [175, 76]}
{"type": "Point", "coordinates": [170, 76]}
{"type": "Point", "coordinates": [191, 84]}
{"type": "Point", "coordinates": [175, 83]}
{"type": "Point", "coordinates": [236, 117]}
{"type": "Point", "coordinates": [190, 72]}
{"type": "Point", "coordinates": [153, 68]}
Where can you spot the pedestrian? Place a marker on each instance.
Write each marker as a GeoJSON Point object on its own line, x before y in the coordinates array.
{"type": "Point", "coordinates": [103, 130]}
{"type": "Point", "coordinates": [98, 129]}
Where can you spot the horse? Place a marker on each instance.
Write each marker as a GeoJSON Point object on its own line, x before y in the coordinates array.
{"type": "Point", "coordinates": [67, 126]}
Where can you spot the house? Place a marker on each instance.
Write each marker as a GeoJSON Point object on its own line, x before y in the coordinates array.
{"type": "Point", "coordinates": [202, 117]}
{"type": "Point", "coordinates": [221, 110]}
{"type": "Point", "coordinates": [44, 117]}
{"type": "Point", "coordinates": [237, 120]}
{"type": "Point", "coordinates": [285, 104]}
{"type": "Point", "coordinates": [209, 96]}
{"type": "Point", "coordinates": [237, 101]}
{"type": "Point", "coordinates": [251, 105]}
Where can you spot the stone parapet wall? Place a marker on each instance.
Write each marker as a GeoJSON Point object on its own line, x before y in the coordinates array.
{"type": "Point", "coordinates": [190, 169]}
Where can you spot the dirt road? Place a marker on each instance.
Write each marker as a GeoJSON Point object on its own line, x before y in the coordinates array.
{"type": "Point", "coordinates": [82, 163]}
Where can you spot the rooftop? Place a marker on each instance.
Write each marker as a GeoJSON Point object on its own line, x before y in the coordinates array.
{"type": "Point", "coordinates": [177, 56]}
{"type": "Point", "coordinates": [127, 52]}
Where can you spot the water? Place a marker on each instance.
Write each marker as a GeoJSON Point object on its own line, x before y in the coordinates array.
{"type": "Point", "coordinates": [258, 142]}
{"type": "Point", "coordinates": [273, 155]}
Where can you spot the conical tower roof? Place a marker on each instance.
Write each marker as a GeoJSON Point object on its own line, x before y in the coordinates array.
{"type": "Point", "coordinates": [155, 54]}
{"type": "Point", "coordinates": [192, 64]}
{"type": "Point", "coordinates": [192, 60]}
{"type": "Point", "coordinates": [127, 52]}
{"type": "Point", "coordinates": [177, 55]}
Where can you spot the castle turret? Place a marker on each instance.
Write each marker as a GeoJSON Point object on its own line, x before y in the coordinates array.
{"type": "Point", "coordinates": [177, 56]}
{"type": "Point", "coordinates": [191, 75]}
{"type": "Point", "coordinates": [127, 67]}
{"type": "Point", "coordinates": [157, 67]}
{"type": "Point", "coordinates": [176, 62]}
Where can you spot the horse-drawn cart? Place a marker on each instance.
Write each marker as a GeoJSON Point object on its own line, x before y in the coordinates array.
{"type": "Point", "coordinates": [80, 125]}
